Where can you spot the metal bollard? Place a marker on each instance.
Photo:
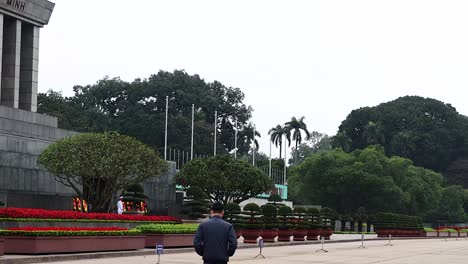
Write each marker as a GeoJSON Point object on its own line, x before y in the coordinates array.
{"type": "Point", "coordinates": [323, 243]}
{"type": "Point", "coordinates": [362, 242]}
{"type": "Point", "coordinates": [389, 240]}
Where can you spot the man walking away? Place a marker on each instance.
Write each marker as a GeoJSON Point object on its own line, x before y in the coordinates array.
{"type": "Point", "coordinates": [215, 239]}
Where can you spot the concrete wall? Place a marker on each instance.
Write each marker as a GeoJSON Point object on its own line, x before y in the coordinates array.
{"type": "Point", "coordinates": [161, 191]}
{"type": "Point", "coordinates": [23, 137]}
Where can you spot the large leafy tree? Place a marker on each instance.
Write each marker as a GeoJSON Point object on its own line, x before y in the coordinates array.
{"type": "Point", "coordinates": [99, 165]}
{"type": "Point", "coordinates": [225, 179]}
{"type": "Point", "coordinates": [276, 136]}
{"type": "Point", "coordinates": [297, 127]}
{"type": "Point", "coordinates": [138, 109]}
{"type": "Point", "coordinates": [429, 132]}
{"type": "Point", "coordinates": [317, 142]}
{"type": "Point", "coordinates": [347, 181]}
{"type": "Point", "coordinates": [450, 207]}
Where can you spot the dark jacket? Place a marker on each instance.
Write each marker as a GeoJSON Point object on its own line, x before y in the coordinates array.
{"type": "Point", "coordinates": [215, 240]}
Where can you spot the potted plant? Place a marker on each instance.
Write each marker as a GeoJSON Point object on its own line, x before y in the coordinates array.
{"type": "Point", "coordinates": [232, 213]}
{"type": "Point", "coordinates": [270, 228]}
{"type": "Point", "coordinates": [300, 232]}
{"type": "Point", "coordinates": [328, 220]}
{"type": "Point", "coordinates": [251, 224]}
{"type": "Point", "coordinates": [285, 225]}
{"type": "Point", "coordinates": [429, 232]}
{"type": "Point", "coordinates": [384, 224]}
{"type": "Point", "coordinates": [463, 232]}
{"type": "Point", "coordinates": [315, 224]}
{"type": "Point", "coordinates": [442, 232]}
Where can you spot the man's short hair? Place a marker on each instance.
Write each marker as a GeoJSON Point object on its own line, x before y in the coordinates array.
{"type": "Point", "coordinates": [217, 207]}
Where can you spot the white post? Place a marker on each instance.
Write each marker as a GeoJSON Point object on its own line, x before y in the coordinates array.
{"type": "Point", "coordinates": [215, 131]}
{"type": "Point", "coordinates": [253, 148]}
{"type": "Point", "coordinates": [269, 169]}
{"type": "Point", "coordinates": [235, 142]}
{"type": "Point", "coordinates": [193, 120]}
{"type": "Point", "coordinates": [165, 133]}
{"type": "Point", "coordinates": [284, 173]}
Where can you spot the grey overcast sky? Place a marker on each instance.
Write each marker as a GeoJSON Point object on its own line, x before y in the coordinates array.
{"type": "Point", "coordinates": [318, 59]}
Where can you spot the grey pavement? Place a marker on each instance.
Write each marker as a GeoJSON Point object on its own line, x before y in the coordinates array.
{"type": "Point", "coordinates": [427, 251]}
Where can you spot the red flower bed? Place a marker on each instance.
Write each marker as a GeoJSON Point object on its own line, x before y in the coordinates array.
{"type": "Point", "coordinates": [56, 214]}
{"type": "Point", "coordinates": [32, 229]}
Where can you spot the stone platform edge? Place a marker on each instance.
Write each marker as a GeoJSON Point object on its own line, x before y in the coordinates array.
{"type": "Point", "coordinates": [23, 259]}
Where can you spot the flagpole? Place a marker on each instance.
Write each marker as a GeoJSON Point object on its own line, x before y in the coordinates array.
{"type": "Point", "coordinates": [269, 170]}
{"type": "Point", "coordinates": [165, 133]}
{"type": "Point", "coordinates": [253, 149]}
{"type": "Point", "coordinates": [216, 128]}
{"type": "Point", "coordinates": [284, 174]}
{"type": "Point", "coordinates": [193, 120]}
{"type": "Point", "coordinates": [235, 142]}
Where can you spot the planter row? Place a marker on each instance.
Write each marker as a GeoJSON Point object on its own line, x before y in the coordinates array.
{"type": "Point", "coordinates": [73, 244]}
{"type": "Point", "coordinates": [251, 236]}
{"type": "Point", "coordinates": [417, 233]}
{"type": "Point", "coordinates": [446, 234]}
{"type": "Point", "coordinates": [398, 233]}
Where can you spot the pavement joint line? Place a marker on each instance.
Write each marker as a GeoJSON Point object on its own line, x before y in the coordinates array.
{"type": "Point", "coordinates": [24, 259]}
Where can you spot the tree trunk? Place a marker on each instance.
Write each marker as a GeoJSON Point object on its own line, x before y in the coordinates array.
{"type": "Point", "coordinates": [295, 156]}
{"type": "Point", "coordinates": [343, 225]}
{"type": "Point", "coordinates": [359, 226]}
{"type": "Point", "coordinates": [280, 149]}
{"type": "Point", "coordinates": [351, 226]}
{"type": "Point", "coordinates": [368, 226]}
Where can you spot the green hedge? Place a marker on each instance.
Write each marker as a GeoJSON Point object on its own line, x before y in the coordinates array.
{"type": "Point", "coordinates": [397, 221]}
{"type": "Point", "coordinates": [168, 228]}
{"type": "Point", "coordinates": [428, 229]}
{"type": "Point", "coordinates": [132, 232]}
{"type": "Point", "coordinates": [450, 230]}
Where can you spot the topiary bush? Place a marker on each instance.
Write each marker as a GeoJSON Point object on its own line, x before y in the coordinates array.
{"type": "Point", "coordinates": [196, 203]}
{"type": "Point", "coordinates": [299, 210]}
{"type": "Point", "coordinates": [269, 210]}
{"type": "Point", "coordinates": [232, 208]}
{"type": "Point", "coordinates": [285, 210]}
{"type": "Point", "coordinates": [251, 208]}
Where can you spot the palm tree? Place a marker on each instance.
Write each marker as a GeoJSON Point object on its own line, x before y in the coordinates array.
{"type": "Point", "coordinates": [246, 137]}
{"type": "Point", "coordinates": [297, 126]}
{"type": "Point", "coordinates": [276, 137]}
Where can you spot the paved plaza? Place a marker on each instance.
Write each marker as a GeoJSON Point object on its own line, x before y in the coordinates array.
{"type": "Point", "coordinates": [427, 251]}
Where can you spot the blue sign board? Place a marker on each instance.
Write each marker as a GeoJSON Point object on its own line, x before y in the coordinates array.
{"type": "Point", "coordinates": [260, 243]}
{"type": "Point", "coordinates": [159, 249]}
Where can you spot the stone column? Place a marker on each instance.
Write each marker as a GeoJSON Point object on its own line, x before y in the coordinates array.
{"type": "Point", "coordinates": [29, 67]}
{"type": "Point", "coordinates": [11, 62]}
{"type": "Point", "coordinates": [1, 52]}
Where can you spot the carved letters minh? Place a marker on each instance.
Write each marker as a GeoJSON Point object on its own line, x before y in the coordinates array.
{"type": "Point", "coordinates": [17, 4]}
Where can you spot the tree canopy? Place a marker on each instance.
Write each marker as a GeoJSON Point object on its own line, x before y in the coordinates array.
{"type": "Point", "coordinates": [225, 179]}
{"type": "Point", "coordinates": [138, 109]}
{"type": "Point", "coordinates": [98, 165]}
{"type": "Point", "coordinates": [367, 178]}
{"type": "Point", "coordinates": [316, 143]}
{"type": "Point", "coordinates": [295, 127]}
{"type": "Point", "coordinates": [429, 132]}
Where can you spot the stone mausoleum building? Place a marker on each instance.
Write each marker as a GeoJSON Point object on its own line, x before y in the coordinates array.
{"type": "Point", "coordinates": [24, 134]}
